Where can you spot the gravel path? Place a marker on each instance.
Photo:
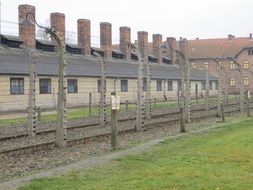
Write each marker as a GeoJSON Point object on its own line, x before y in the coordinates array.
{"type": "Point", "coordinates": [83, 156]}
{"type": "Point", "coordinates": [18, 165]}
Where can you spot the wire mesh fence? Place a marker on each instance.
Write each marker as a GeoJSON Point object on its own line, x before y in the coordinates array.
{"type": "Point", "coordinates": [89, 99]}
{"type": "Point", "coordinates": [14, 110]}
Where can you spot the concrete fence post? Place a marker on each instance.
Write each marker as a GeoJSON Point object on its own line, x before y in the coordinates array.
{"type": "Point", "coordinates": [183, 53]}
{"type": "Point", "coordinates": [248, 103]}
{"type": "Point", "coordinates": [148, 93]}
{"type": "Point", "coordinates": [196, 94]}
{"type": "Point", "coordinates": [61, 129]}
{"type": "Point", "coordinates": [142, 68]}
{"type": "Point", "coordinates": [58, 38]}
{"type": "Point", "coordinates": [103, 96]}
{"type": "Point", "coordinates": [219, 90]}
{"type": "Point", "coordinates": [90, 103]}
{"type": "Point", "coordinates": [182, 106]}
{"type": "Point", "coordinates": [207, 89]}
{"type": "Point", "coordinates": [39, 113]}
{"type": "Point", "coordinates": [155, 102]}
{"type": "Point", "coordinates": [102, 102]}
{"type": "Point", "coordinates": [182, 121]}
{"type": "Point", "coordinates": [140, 95]}
{"type": "Point", "coordinates": [178, 93]}
{"type": "Point", "coordinates": [222, 113]}
{"type": "Point", "coordinates": [32, 118]}
{"type": "Point", "coordinates": [115, 106]}
{"type": "Point", "coordinates": [241, 90]}
{"type": "Point", "coordinates": [127, 102]}
{"type": "Point", "coordinates": [187, 92]}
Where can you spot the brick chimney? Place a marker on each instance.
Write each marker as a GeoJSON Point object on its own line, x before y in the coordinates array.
{"type": "Point", "coordinates": [183, 46]}
{"type": "Point", "coordinates": [230, 37]}
{"type": "Point", "coordinates": [171, 41]}
{"type": "Point", "coordinates": [143, 44]}
{"type": "Point", "coordinates": [27, 31]}
{"type": "Point", "coordinates": [106, 39]}
{"type": "Point", "coordinates": [58, 24]}
{"type": "Point", "coordinates": [125, 39]}
{"type": "Point", "coordinates": [157, 42]}
{"type": "Point", "coordinates": [83, 35]}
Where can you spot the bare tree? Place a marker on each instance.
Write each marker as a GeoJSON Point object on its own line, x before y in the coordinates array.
{"type": "Point", "coordinates": [70, 37]}
{"type": "Point", "coordinates": [41, 34]}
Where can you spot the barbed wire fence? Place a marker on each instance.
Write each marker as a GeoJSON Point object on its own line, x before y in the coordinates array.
{"type": "Point", "coordinates": [11, 28]}
{"type": "Point", "coordinates": [95, 103]}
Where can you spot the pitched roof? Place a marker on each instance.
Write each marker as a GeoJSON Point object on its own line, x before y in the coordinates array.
{"type": "Point", "coordinates": [76, 46]}
{"type": "Point", "coordinates": [202, 48]}
{"type": "Point", "coordinates": [117, 51]}
{"type": "Point", "coordinates": [215, 47]}
{"type": "Point", "coordinates": [44, 42]}
{"type": "Point", "coordinates": [12, 38]}
{"type": "Point", "coordinates": [14, 61]}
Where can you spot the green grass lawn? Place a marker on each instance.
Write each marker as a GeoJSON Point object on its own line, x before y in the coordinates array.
{"type": "Point", "coordinates": [72, 114]}
{"type": "Point", "coordinates": [220, 158]}
{"type": "Point", "coordinates": [77, 113]}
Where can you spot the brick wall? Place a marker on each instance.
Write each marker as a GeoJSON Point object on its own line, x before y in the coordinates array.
{"type": "Point", "coordinates": [106, 38]}
{"type": "Point", "coordinates": [26, 28]}
{"type": "Point", "coordinates": [230, 73]}
{"type": "Point", "coordinates": [157, 42]}
{"type": "Point", "coordinates": [171, 41]}
{"type": "Point", "coordinates": [58, 24]}
{"type": "Point", "coordinates": [143, 44]}
{"type": "Point", "coordinates": [125, 39]}
{"type": "Point", "coordinates": [83, 35]}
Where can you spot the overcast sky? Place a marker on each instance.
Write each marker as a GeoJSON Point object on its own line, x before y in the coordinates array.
{"type": "Point", "coordinates": [178, 18]}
